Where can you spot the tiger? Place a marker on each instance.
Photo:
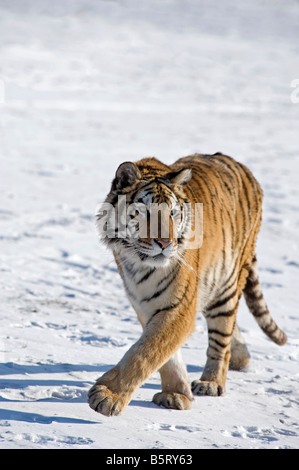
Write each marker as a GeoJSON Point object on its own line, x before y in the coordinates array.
{"type": "Point", "coordinates": [169, 279]}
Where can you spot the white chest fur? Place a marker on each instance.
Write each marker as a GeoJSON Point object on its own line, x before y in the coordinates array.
{"type": "Point", "coordinates": [149, 289]}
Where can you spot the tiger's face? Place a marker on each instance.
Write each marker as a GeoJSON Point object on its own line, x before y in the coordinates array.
{"type": "Point", "coordinates": [156, 222]}
{"type": "Point", "coordinates": [149, 218]}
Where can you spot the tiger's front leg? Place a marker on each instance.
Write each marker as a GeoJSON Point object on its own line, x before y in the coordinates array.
{"type": "Point", "coordinates": [161, 338]}
{"type": "Point", "coordinates": [176, 390]}
{"type": "Point", "coordinates": [221, 318]}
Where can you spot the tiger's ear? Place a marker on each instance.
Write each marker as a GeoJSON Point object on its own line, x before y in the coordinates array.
{"type": "Point", "coordinates": [126, 175]}
{"type": "Point", "coordinates": [181, 176]}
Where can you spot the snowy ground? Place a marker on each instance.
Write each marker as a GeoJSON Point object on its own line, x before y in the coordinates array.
{"type": "Point", "coordinates": [88, 85]}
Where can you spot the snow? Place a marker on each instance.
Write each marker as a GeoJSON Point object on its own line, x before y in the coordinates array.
{"type": "Point", "coordinates": [87, 85]}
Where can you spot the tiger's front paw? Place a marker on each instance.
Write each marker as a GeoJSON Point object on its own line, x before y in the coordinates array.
{"type": "Point", "coordinates": [104, 401]}
{"type": "Point", "coordinates": [202, 387]}
{"type": "Point", "coordinates": [175, 401]}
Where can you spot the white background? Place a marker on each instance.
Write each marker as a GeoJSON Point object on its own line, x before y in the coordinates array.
{"type": "Point", "coordinates": [88, 85]}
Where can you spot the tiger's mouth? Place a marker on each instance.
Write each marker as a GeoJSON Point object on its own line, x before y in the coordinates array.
{"type": "Point", "coordinates": [155, 261]}
{"type": "Point", "coordinates": [161, 259]}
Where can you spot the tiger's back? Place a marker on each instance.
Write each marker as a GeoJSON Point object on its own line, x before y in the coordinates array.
{"type": "Point", "coordinates": [168, 280]}
{"type": "Point", "coordinates": [232, 210]}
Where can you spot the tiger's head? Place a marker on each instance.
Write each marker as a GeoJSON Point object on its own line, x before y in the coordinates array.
{"type": "Point", "coordinates": [146, 215]}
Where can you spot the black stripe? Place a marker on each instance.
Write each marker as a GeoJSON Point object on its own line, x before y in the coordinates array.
{"type": "Point", "coordinates": [229, 286]}
{"type": "Point", "coordinates": [142, 256]}
{"type": "Point", "coordinates": [212, 194]}
{"type": "Point", "coordinates": [251, 296]}
{"type": "Point", "coordinates": [124, 242]}
{"type": "Point", "coordinates": [214, 331]}
{"type": "Point", "coordinates": [181, 314]}
{"type": "Point", "coordinates": [223, 243]}
{"type": "Point", "coordinates": [253, 184]}
{"type": "Point", "coordinates": [181, 299]}
{"type": "Point", "coordinates": [251, 284]}
{"type": "Point", "coordinates": [159, 292]}
{"type": "Point", "coordinates": [146, 276]}
{"type": "Point", "coordinates": [129, 292]}
{"type": "Point", "coordinates": [145, 166]}
{"type": "Point", "coordinates": [223, 301]}
{"type": "Point", "coordinates": [142, 188]}
{"type": "Point", "coordinates": [114, 199]}
{"type": "Point", "coordinates": [133, 195]}
{"type": "Point", "coordinates": [229, 209]}
{"type": "Point", "coordinates": [174, 305]}
{"type": "Point", "coordinates": [215, 349]}
{"type": "Point", "coordinates": [236, 173]}
{"type": "Point", "coordinates": [256, 189]}
{"type": "Point", "coordinates": [260, 314]}
{"type": "Point", "coordinates": [169, 307]}
{"type": "Point", "coordinates": [243, 218]}
{"type": "Point", "coordinates": [232, 226]}
{"type": "Point", "coordinates": [227, 313]}
{"type": "Point", "coordinates": [217, 342]}
{"type": "Point", "coordinates": [233, 272]}
{"type": "Point", "coordinates": [178, 267]}
{"type": "Point", "coordinates": [197, 177]}
{"type": "Point", "coordinates": [213, 357]}
{"type": "Point", "coordinates": [231, 165]}
{"type": "Point", "coordinates": [130, 270]}
{"type": "Point", "coordinates": [161, 181]}
{"type": "Point", "coordinates": [246, 194]}
{"type": "Point", "coordinates": [147, 192]}
{"type": "Point", "coordinates": [268, 328]}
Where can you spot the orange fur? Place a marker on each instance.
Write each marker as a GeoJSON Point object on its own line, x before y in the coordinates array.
{"type": "Point", "coordinates": [167, 289]}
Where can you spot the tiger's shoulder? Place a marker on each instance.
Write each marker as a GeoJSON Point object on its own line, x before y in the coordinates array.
{"type": "Point", "coordinates": [220, 173]}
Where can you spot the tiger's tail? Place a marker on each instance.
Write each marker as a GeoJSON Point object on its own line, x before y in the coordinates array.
{"type": "Point", "coordinates": [257, 305]}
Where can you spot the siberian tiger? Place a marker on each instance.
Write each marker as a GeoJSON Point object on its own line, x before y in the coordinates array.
{"type": "Point", "coordinates": [168, 279]}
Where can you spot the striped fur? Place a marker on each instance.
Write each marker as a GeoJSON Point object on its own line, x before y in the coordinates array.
{"type": "Point", "coordinates": [167, 282]}
{"type": "Point", "coordinates": [257, 305]}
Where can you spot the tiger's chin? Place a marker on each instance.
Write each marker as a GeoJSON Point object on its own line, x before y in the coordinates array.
{"type": "Point", "coordinates": [156, 261]}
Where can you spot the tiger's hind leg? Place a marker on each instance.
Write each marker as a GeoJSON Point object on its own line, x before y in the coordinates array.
{"type": "Point", "coordinates": [240, 356]}
{"type": "Point", "coordinates": [220, 317]}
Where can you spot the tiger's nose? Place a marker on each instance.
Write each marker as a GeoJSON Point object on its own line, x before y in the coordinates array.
{"type": "Point", "coordinates": [163, 243]}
